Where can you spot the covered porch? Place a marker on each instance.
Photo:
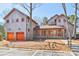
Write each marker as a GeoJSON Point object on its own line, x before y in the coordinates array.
{"type": "Point", "coordinates": [49, 32]}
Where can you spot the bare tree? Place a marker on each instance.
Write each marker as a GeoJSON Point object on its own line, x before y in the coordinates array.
{"type": "Point", "coordinates": [29, 8]}
{"type": "Point", "coordinates": [68, 31]}
{"type": "Point", "coordinates": [45, 21]}
{"type": "Point", "coordinates": [38, 20]}
{"type": "Point", "coordinates": [75, 21]}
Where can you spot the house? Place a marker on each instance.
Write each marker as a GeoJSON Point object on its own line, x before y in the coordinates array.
{"type": "Point", "coordinates": [60, 20]}
{"type": "Point", "coordinates": [56, 28]}
{"type": "Point", "coordinates": [17, 26]}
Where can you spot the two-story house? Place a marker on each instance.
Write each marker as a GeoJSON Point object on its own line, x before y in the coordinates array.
{"type": "Point", "coordinates": [56, 28]}
{"type": "Point", "coordinates": [17, 26]}
{"type": "Point", "coordinates": [60, 20]}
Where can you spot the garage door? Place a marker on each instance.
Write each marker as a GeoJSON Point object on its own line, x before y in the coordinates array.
{"type": "Point", "coordinates": [20, 36]}
{"type": "Point", "coordinates": [10, 36]}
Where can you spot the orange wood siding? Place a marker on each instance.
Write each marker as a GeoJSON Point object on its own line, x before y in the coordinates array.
{"type": "Point", "coordinates": [10, 36]}
{"type": "Point", "coordinates": [19, 36]}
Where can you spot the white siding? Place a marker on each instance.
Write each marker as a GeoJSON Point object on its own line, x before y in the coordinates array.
{"type": "Point", "coordinates": [14, 26]}
{"type": "Point", "coordinates": [62, 23]}
{"type": "Point", "coordinates": [52, 21]}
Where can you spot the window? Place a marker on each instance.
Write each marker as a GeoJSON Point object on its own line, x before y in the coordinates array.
{"type": "Point", "coordinates": [7, 21]}
{"type": "Point", "coordinates": [55, 21]}
{"type": "Point", "coordinates": [17, 20]}
{"type": "Point", "coordinates": [28, 20]}
{"type": "Point", "coordinates": [19, 28]}
{"type": "Point", "coordinates": [9, 29]}
{"type": "Point", "coordinates": [22, 19]}
{"type": "Point", "coordinates": [28, 30]}
{"type": "Point", "coordinates": [59, 20]}
{"type": "Point", "coordinates": [64, 20]}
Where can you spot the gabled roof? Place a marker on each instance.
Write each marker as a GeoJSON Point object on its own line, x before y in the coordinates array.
{"type": "Point", "coordinates": [53, 17]}
{"type": "Point", "coordinates": [14, 9]}
{"type": "Point", "coordinates": [59, 16]}
{"type": "Point", "coordinates": [56, 16]}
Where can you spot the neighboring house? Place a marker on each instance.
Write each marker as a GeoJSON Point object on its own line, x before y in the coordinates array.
{"type": "Point", "coordinates": [56, 28]}
{"type": "Point", "coordinates": [60, 20]}
{"type": "Point", "coordinates": [17, 26]}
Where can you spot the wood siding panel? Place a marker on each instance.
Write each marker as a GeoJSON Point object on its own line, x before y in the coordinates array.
{"type": "Point", "coordinates": [10, 36]}
{"type": "Point", "coordinates": [19, 36]}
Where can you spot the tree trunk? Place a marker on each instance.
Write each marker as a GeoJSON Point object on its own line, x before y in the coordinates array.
{"type": "Point", "coordinates": [74, 30]}
{"type": "Point", "coordinates": [68, 31]}
{"type": "Point", "coordinates": [31, 29]}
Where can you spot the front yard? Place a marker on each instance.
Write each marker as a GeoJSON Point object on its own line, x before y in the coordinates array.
{"type": "Point", "coordinates": [57, 45]}
{"type": "Point", "coordinates": [41, 48]}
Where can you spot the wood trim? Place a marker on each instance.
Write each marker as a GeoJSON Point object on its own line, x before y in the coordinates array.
{"type": "Point", "coordinates": [9, 13]}
{"type": "Point", "coordinates": [20, 12]}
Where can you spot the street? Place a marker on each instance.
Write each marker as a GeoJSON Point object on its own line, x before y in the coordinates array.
{"type": "Point", "coordinates": [28, 52]}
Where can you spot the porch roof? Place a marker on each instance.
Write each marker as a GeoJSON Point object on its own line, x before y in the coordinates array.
{"type": "Point", "coordinates": [49, 26]}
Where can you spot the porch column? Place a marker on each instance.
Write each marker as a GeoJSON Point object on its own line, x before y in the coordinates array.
{"type": "Point", "coordinates": [40, 33]}
{"type": "Point", "coordinates": [63, 33]}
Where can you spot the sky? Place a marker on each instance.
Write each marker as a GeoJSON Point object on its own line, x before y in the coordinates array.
{"type": "Point", "coordinates": [45, 10]}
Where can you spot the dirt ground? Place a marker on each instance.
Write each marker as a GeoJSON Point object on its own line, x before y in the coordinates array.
{"type": "Point", "coordinates": [75, 41]}
{"type": "Point", "coordinates": [57, 45]}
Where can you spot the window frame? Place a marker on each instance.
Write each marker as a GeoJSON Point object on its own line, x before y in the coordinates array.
{"type": "Point", "coordinates": [55, 21]}
{"type": "Point", "coordinates": [17, 20]}
{"type": "Point", "coordinates": [22, 19]}
{"type": "Point", "coordinates": [59, 20]}
{"type": "Point", "coordinates": [7, 21]}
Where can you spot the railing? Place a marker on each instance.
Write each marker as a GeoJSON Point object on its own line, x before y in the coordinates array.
{"type": "Point", "coordinates": [48, 37]}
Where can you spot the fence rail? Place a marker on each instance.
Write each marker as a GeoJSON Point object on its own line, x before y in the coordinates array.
{"type": "Point", "coordinates": [48, 37]}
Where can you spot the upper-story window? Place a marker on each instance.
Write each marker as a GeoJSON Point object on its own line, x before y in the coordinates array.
{"type": "Point", "coordinates": [28, 30]}
{"type": "Point", "coordinates": [64, 20]}
{"type": "Point", "coordinates": [9, 29]}
{"type": "Point", "coordinates": [22, 19]}
{"type": "Point", "coordinates": [55, 21]}
{"type": "Point", "coordinates": [17, 20]}
{"type": "Point", "coordinates": [19, 28]}
{"type": "Point", "coordinates": [59, 20]}
{"type": "Point", "coordinates": [28, 20]}
{"type": "Point", "coordinates": [7, 21]}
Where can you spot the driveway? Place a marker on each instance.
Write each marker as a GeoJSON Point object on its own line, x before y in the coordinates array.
{"type": "Point", "coordinates": [15, 52]}
{"type": "Point", "coordinates": [29, 52]}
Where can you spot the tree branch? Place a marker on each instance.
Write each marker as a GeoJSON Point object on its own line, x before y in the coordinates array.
{"type": "Point", "coordinates": [25, 8]}
{"type": "Point", "coordinates": [35, 6]}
